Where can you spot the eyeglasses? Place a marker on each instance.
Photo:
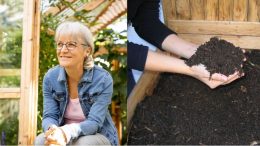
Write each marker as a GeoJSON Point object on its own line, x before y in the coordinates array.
{"type": "Point", "coordinates": [69, 45]}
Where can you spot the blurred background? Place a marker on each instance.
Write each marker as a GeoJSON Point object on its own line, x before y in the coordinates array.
{"type": "Point", "coordinates": [107, 20]}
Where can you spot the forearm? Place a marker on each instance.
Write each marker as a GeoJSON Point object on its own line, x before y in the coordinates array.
{"type": "Point", "coordinates": [164, 63]}
{"type": "Point", "coordinates": [178, 46]}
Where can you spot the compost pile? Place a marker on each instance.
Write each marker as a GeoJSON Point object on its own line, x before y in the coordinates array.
{"type": "Point", "coordinates": [185, 111]}
{"type": "Point", "coordinates": [219, 56]}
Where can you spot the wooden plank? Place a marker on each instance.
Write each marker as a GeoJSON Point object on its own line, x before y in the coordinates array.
{"type": "Point", "coordinates": [56, 10]}
{"type": "Point", "coordinates": [169, 10]}
{"type": "Point", "coordinates": [10, 72]}
{"type": "Point", "coordinates": [144, 87]}
{"type": "Point", "coordinates": [183, 9]}
{"type": "Point", "coordinates": [91, 5]}
{"type": "Point", "coordinates": [253, 10]}
{"type": "Point", "coordinates": [174, 9]}
{"type": "Point", "coordinates": [216, 27]}
{"type": "Point", "coordinates": [225, 10]}
{"type": "Point", "coordinates": [211, 10]}
{"type": "Point", "coordinates": [258, 9]}
{"type": "Point", "coordinates": [29, 73]}
{"type": "Point", "coordinates": [240, 10]}
{"type": "Point", "coordinates": [7, 93]}
{"type": "Point", "coordinates": [197, 9]}
{"type": "Point", "coordinates": [246, 42]}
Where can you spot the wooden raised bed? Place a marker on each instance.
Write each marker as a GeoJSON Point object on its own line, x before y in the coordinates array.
{"type": "Point", "coordinates": [236, 21]}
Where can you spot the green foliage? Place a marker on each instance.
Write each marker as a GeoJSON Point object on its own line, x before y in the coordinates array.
{"type": "Point", "coordinates": [109, 39]}
{"type": "Point", "coordinates": [9, 130]}
{"type": "Point", "coordinates": [11, 48]}
{"type": "Point", "coordinates": [7, 82]}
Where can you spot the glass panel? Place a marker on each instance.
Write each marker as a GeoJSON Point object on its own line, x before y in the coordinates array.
{"type": "Point", "coordinates": [9, 121]}
{"type": "Point", "coordinates": [11, 16]}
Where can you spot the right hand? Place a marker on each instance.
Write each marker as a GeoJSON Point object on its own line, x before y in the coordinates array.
{"type": "Point", "coordinates": [217, 79]}
{"type": "Point", "coordinates": [55, 137]}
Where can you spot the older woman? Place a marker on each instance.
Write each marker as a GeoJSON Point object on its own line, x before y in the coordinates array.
{"type": "Point", "coordinates": [76, 93]}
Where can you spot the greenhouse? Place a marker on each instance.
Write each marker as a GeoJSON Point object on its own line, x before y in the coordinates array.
{"type": "Point", "coordinates": [27, 51]}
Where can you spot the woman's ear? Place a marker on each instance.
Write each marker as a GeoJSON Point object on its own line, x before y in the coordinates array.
{"type": "Point", "coordinates": [87, 52]}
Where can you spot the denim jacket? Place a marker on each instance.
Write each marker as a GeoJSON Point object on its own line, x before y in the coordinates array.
{"type": "Point", "coordinates": [94, 90]}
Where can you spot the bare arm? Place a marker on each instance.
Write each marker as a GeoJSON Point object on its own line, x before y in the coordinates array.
{"type": "Point", "coordinates": [163, 63]}
{"type": "Point", "coordinates": [174, 44]}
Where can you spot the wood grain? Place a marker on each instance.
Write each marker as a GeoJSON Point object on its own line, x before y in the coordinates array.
{"type": "Point", "coordinates": [183, 9]}
{"type": "Point", "coordinates": [211, 9]}
{"type": "Point", "coordinates": [240, 10]}
{"type": "Point", "coordinates": [226, 10]}
{"type": "Point", "coordinates": [197, 9]}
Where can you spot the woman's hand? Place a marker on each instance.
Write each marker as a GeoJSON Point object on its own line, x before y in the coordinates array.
{"type": "Point", "coordinates": [217, 79]}
{"type": "Point", "coordinates": [55, 137]}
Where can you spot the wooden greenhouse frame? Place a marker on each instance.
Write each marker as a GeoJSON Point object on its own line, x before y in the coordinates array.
{"type": "Point", "coordinates": [29, 72]}
{"type": "Point", "coordinates": [236, 21]}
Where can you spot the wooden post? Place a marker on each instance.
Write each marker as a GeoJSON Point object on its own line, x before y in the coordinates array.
{"type": "Point", "coordinates": [226, 10]}
{"type": "Point", "coordinates": [197, 9]}
{"type": "Point", "coordinates": [253, 10]}
{"type": "Point", "coordinates": [240, 10]}
{"type": "Point", "coordinates": [211, 10]}
{"type": "Point", "coordinates": [183, 9]}
{"type": "Point", "coordinates": [169, 10]}
{"type": "Point", "coordinates": [144, 87]}
{"type": "Point", "coordinates": [29, 72]}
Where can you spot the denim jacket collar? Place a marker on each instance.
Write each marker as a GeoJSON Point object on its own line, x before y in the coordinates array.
{"type": "Point", "coordinates": [87, 75]}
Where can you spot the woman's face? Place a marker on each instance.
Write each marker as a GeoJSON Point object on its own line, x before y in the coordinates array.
{"type": "Point", "coordinates": [71, 53]}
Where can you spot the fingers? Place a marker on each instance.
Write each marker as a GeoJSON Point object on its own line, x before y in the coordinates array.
{"type": "Point", "coordinates": [233, 78]}
{"type": "Point", "coordinates": [215, 83]}
{"type": "Point", "coordinates": [211, 83]}
{"type": "Point", "coordinates": [54, 136]}
{"type": "Point", "coordinates": [50, 143]}
{"type": "Point", "coordinates": [244, 51]}
{"type": "Point", "coordinates": [219, 77]}
{"type": "Point", "coordinates": [233, 75]}
{"type": "Point", "coordinates": [51, 138]}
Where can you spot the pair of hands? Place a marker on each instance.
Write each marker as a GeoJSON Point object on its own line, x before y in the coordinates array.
{"type": "Point", "coordinates": [55, 136]}
{"type": "Point", "coordinates": [217, 79]}
{"type": "Point", "coordinates": [199, 72]}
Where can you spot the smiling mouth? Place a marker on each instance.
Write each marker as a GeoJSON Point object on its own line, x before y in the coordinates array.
{"type": "Point", "coordinates": [65, 57]}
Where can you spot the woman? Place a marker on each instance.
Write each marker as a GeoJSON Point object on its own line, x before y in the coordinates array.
{"type": "Point", "coordinates": [143, 16]}
{"type": "Point", "coordinates": [76, 93]}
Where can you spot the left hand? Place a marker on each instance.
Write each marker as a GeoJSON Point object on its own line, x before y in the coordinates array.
{"type": "Point", "coordinates": [216, 80]}
{"type": "Point", "coordinates": [55, 137]}
{"type": "Point", "coordinates": [215, 83]}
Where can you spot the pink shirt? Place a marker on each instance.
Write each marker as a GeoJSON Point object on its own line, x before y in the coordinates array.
{"type": "Point", "coordinates": [74, 113]}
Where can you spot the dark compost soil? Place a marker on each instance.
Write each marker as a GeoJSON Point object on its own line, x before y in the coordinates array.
{"type": "Point", "coordinates": [219, 56]}
{"type": "Point", "coordinates": [185, 111]}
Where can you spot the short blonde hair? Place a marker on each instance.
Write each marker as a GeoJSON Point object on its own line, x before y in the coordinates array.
{"type": "Point", "coordinates": [79, 32]}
